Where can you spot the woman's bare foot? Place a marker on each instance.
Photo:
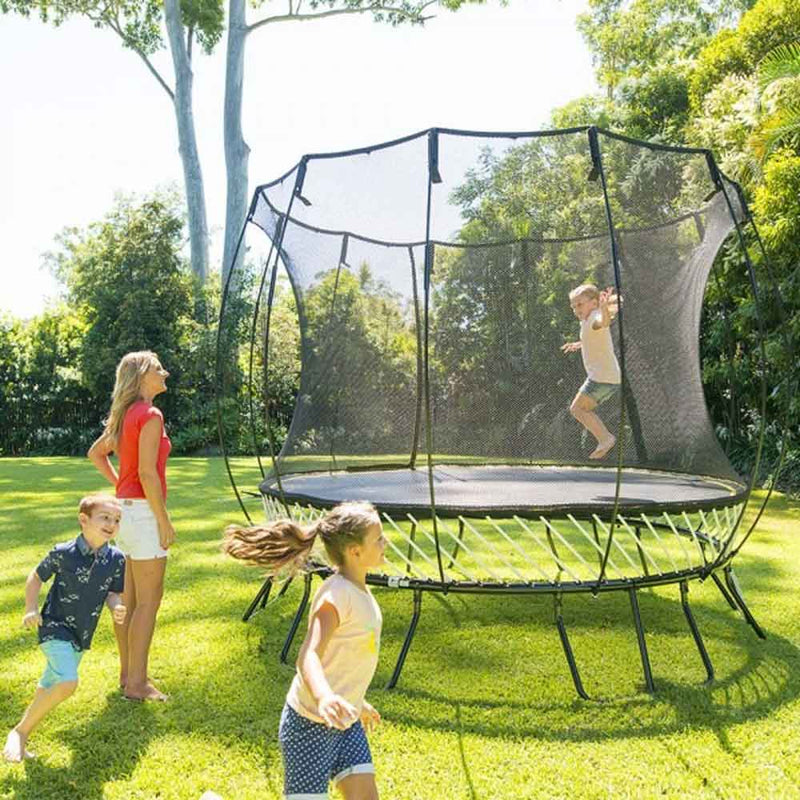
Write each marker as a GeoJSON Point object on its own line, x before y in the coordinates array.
{"type": "Point", "coordinates": [15, 749]}
{"type": "Point", "coordinates": [147, 692]}
{"type": "Point", "coordinates": [604, 448]}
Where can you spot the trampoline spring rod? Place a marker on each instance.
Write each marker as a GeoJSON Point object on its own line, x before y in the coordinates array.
{"type": "Point", "coordinates": [457, 544]}
{"type": "Point", "coordinates": [694, 536]}
{"type": "Point", "coordinates": [667, 553]}
{"type": "Point", "coordinates": [644, 553]}
{"type": "Point", "coordinates": [615, 541]}
{"type": "Point", "coordinates": [410, 552]}
{"type": "Point", "coordinates": [595, 542]}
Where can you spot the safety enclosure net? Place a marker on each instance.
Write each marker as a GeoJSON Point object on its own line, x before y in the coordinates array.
{"type": "Point", "coordinates": [430, 278]}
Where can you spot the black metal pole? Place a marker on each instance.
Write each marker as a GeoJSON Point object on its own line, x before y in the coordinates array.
{"type": "Point", "coordinates": [637, 621]}
{"type": "Point", "coordinates": [398, 667]}
{"type": "Point", "coordinates": [736, 593]}
{"type": "Point", "coordinates": [297, 617]}
{"type": "Point", "coordinates": [698, 640]}
{"type": "Point", "coordinates": [562, 632]}
{"type": "Point", "coordinates": [724, 591]}
{"type": "Point", "coordinates": [261, 597]}
{"type": "Point", "coordinates": [433, 176]}
{"type": "Point", "coordinates": [218, 365]}
{"type": "Point", "coordinates": [597, 159]}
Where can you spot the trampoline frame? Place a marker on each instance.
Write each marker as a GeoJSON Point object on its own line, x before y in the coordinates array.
{"type": "Point", "coordinates": [718, 566]}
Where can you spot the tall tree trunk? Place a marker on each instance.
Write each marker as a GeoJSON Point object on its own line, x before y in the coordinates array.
{"type": "Point", "coordinates": [237, 152]}
{"type": "Point", "coordinates": [187, 140]}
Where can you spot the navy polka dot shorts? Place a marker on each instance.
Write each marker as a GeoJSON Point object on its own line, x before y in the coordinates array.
{"type": "Point", "coordinates": [314, 755]}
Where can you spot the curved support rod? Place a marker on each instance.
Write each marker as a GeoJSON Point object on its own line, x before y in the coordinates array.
{"type": "Point", "coordinates": [637, 621]}
{"type": "Point", "coordinates": [297, 617]}
{"type": "Point", "coordinates": [562, 632]}
{"type": "Point", "coordinates": [736, 592]}
{"type": "Point", "coordinates": [398, 667]}
{"type": "Point", "coordinates": [698, 640]}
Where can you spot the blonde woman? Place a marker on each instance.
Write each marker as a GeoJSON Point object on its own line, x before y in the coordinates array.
{"type": "Point", "coordinates": [135, 432]}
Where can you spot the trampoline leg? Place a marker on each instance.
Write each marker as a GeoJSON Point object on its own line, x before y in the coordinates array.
{"type": "Point", "coordinates": [261, 597]}
{"type": "Point", "coordinates": [398, 667]}
{"type": "Point", "coordinates": [297, 617]}
{"type": "Point", "coordinates": [285, 587]}
{"type": "Point", "coordinates": [562, 632]}
{"type": "Point", "coordinates": [723, 591]}
{"type": "Point", "coordinates": [736, 592]}
{"type": "Point", "coordinates": [637, 621]}
{"type": "Point", "coordinates": [698, 640]}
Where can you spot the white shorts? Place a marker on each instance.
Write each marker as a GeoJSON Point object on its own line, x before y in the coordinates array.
{"type": "Point", "coordinates": [138, 531]}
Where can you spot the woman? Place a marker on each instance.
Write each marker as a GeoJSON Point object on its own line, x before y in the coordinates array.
{"type": "Point", "coordinates": [135, 432]}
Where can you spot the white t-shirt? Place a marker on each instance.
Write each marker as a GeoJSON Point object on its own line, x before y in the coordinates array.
{"type": "Point", "coordinates": [597, 350]}
{"type": "Point", "coordinates": [351, 656]}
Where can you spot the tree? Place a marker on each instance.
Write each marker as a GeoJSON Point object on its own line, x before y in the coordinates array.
{"type": "Point", "coordinates": [777, 77]}
{"type": "Point", "coordinates": [630, 37]}
{"type": "Point", "coordinates": [137, 23]}
{"type": "Point", "coordinates": [125, 277]}
{"type": "Point", "coordinates": [393, 12]}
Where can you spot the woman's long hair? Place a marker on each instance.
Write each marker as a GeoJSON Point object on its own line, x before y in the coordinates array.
{"type": "Point", "coordinates": [130, 373]}
{"type": "Point", "coordinates": [285, 546]}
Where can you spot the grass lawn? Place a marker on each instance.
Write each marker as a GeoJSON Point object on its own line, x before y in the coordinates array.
{"type": "Point", "coordinates": [485, 707]}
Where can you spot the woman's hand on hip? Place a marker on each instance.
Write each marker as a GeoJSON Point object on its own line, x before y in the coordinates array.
{"type": "Point", "coordinates": [166, 534]}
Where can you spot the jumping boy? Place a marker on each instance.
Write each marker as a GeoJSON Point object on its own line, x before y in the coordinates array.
{"type": "Point", "coordinates": [595, 310]}
{"type": "Point", "coordinates": [88, 571]}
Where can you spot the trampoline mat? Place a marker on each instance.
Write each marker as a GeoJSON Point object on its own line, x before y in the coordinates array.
{"type": "Point", "coordinates": [509, 489]}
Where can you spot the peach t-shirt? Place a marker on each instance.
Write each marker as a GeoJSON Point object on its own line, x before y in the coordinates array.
{"type": "Point", "coordinates": [351, 656]}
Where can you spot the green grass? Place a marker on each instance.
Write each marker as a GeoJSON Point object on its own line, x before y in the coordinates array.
{"type": "Point", "coordinates": [485, 707]}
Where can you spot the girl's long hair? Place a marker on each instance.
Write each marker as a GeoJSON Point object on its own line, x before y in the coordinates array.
{"type": "Point", "coordinates": [284, 546]}
{"type": "Point", "coordinates": [130, 373]}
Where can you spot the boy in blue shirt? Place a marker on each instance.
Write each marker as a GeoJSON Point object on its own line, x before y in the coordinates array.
{"type": "Point", "coordinates": [88, 572]}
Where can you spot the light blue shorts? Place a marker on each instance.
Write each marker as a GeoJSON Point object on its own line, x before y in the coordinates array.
{"type": "Point", "coordinates": [62, 662]}
{"type": "Point", "coordinates": [314, 755]}
{"type": "Point", "coordinates": [599, 392]}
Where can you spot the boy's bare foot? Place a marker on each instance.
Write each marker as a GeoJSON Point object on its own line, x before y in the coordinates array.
{"type": "Point", "coordinates": [603, 448]}
{"type": "Point", "coordinates": [15, 749]}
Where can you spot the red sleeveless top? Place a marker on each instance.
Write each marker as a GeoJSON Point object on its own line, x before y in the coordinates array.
{"type": "Point", "coordinates": [128, 483]}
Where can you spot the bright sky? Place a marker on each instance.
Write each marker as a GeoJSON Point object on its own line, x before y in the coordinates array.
{"type": "Point", "coordinates": [83, 119]}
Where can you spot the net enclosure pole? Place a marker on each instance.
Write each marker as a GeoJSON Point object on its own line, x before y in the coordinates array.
{"type": "Point", "coordinates": [727, 553]}
{"type": "Point", "coordinates": [433, 176]}
{"type": "Point", "coordinates": [597, 167]}
{"type": "Point", "coordinates": [223, 303]}
{"type": "Point", "coordinates": [279, 238]}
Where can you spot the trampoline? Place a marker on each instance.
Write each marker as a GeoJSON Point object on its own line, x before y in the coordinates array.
{"type": "Point", "coordinates": [505, 489]}
{"type": "Point", "coordinates": [419, 288]}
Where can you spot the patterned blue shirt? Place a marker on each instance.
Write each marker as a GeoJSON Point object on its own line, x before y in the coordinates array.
{"type": "Point", "coordinates": [82, 582]}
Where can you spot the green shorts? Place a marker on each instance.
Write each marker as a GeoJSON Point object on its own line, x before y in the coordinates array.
{"type": "Point", "coordinates": [599, 392]}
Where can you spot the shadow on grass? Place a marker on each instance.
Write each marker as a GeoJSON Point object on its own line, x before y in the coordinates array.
{"type": "Point", "coordinates": [106, 748]}
{"type": "Point", "coordinates": [755, 678]}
